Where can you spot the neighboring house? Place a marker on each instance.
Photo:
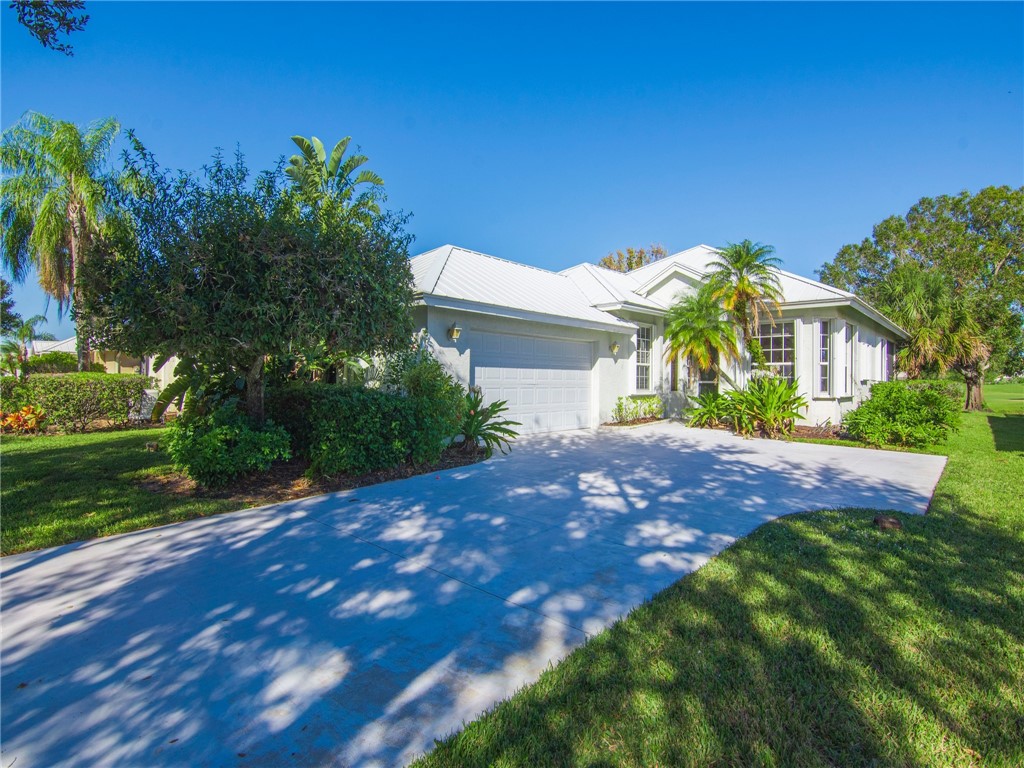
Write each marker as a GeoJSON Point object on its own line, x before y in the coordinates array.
{"type": "Point", "coordinates": [562, 347]}
{"type": "Point", "coordinates": [113, 362]}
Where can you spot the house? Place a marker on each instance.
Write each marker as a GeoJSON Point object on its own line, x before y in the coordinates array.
{"type": "Point", "coordinates": [562, 347]}
{"type": "Point", "coordinates": [112, 362]}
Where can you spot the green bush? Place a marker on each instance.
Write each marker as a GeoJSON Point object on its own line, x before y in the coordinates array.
{"type": "Point", "coordinates": [224, 445]}
{"type": "Point", "coordinates": [711, 410]}
{"type": "Point", "coordinates": [438, 406]}
{"type": "Point", "coordinates": [629, 409]}
{"type": "Point", "coordinates": [769, 405]}
{"type": "Point", "coordinates": [74, 401]}
{"type": "Point", "coordinates": [51, 362]}
{"type": "Point", "coordinates": [903, 413]}
{"type": "Point", "coordinates": [481, 425]}
{"type": "Point", "coordinates": [354, 430]}
{"type": "Point", "coordinates": [13, 394]}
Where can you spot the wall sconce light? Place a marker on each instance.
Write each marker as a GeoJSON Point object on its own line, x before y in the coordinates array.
{"type": "Point", "coordinates": [454, 332]}
{"type": "Point", "coordinates": [614, 348]}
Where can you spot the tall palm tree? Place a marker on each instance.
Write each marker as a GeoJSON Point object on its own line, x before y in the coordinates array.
{"type": "Point", "coordinates": [745, 280]}
{"type": "Point", "coordinates": [52, 200]}
{"type": "Point", "coordinates": [943, 332]}
{"type": "Point", "coordinates": [318, 175]}
{"type": "Point", "coordinates": [697, 328]}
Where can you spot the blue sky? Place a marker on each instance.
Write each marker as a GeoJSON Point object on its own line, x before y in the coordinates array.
{"type": "Point", "coordinates": [553, 134]}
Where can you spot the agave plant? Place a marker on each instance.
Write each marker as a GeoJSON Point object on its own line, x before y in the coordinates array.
{"type": "Point", "coordinates": [481, 425]}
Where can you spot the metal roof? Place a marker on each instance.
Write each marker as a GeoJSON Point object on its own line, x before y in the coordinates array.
{"type": "Point", "coordinates": [469, 276]}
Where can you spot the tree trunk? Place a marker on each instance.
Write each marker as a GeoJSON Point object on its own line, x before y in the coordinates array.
{"type": "Point", "coordinates": [254, 391]}
{"type": "Point", "coordinates": [76, 246]}
{"type": "Point", "coordinates": [974, 379]}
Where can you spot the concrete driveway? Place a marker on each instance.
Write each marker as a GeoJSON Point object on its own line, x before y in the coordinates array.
{"type": "Point", "coordinates": [353, 629]}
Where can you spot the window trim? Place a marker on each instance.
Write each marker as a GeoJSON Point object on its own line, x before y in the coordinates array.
{"type": "Point", "coordinates": [778, 328]}
{"type": "Point", "coordinates": [823, 332]}
{"type": "Point", "coordinates": [649, 365]}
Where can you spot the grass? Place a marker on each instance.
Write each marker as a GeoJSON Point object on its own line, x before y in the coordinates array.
{"type": "Point", "coordinates": [59, 489]}
{"type": "Point", "coordinates": [815, 641]}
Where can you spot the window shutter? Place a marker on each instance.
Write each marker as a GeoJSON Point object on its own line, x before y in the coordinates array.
{"type": "Point", "coordinates": [822, 371]}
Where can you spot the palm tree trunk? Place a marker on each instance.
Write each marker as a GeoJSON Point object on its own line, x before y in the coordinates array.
{"type": "Point", "coordinates": [974, 378]}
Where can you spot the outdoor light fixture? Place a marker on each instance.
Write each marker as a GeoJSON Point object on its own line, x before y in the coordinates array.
{"type": "Point", "coordinates": [454, 332]}
{"type": "Point", "coordinates": [614, 347]}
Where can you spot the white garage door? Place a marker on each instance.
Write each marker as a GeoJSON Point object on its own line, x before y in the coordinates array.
{"type": "Point", "coordinates": [545, 381]}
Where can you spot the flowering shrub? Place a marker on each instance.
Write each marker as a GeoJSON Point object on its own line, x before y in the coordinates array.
{"type": "Point", "coordinates": [27, 419]}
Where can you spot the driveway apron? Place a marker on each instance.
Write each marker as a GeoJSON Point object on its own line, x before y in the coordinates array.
{"type": "Point", "coordinates": [355, 628]}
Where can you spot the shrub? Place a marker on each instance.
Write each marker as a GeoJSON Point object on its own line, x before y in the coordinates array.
{"type": "Point", "coordinates": [73, 401]}
{"type": "Point", "coordinates": [439, 404]}
{"type": "Point", "coordinates": [25, 420]}
{"type": "Point", "coordinates": [482, 425]}
{"type": "Point", "coordinates": [353, 430]}
{"type": "Point", "coordinates": [13, 394]}
{"type": "Point", "coordinates": [628, 409]}
{"type": "Point", "coordinates": [769, 405]}
{"type": "Point", "coordinates": [57, 362]}
{"type": "Point", "coordinates": [711, 410]}
{"type": "Point", "coordinates": [224, 445]}
{"type": "Point", "coordinates": [902, 413]}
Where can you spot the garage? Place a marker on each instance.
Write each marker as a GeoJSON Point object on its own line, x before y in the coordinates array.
{"type": "Point", "coordinates": [545, 381]}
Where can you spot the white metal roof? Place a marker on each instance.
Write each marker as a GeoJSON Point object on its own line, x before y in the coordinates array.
{"type": "Point", "coordinates": [65, 345]}
{"type": "Point", "coordinates": [469, 276]}
{"type": "Point", "coordinates": [586, 293]}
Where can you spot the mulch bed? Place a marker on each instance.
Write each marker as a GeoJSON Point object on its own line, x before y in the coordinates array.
{"type": "Point", "coordinates": [287, 480]}
{"type": "Point", "coordinates": [633, 423]}
{"type": "Point", "coordinates": [828, 432]}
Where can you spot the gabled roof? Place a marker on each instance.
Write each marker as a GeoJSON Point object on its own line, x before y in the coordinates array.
{"type": "Point", "coordinates": [465, 279]}
{"type": "Point", "coordinates": [585, 295]}
{"type": "Point", "coordinates": [38, 347]}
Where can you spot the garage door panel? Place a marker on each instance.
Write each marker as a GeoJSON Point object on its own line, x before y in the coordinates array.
{"type": "Point", "coordinates": [545, 381]}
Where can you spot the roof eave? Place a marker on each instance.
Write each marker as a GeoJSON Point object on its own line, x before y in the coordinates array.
{"type": "Point", "coordinates": [614, 324]}
{"type": "Point", "coordinates": [852, 301]}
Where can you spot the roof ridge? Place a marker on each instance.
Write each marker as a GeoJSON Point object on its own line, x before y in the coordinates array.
{"type": "Point", "coordinates": [811, 281]}
{"type": "Point", "coordinates": [507, 261]}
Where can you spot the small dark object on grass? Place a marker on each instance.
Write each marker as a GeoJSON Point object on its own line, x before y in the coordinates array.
{"type": "Point", "coordinates": [888, 523]}
{"type": "Point", "coordinates": [153, 446]}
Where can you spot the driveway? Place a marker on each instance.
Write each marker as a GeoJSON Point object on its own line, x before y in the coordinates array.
{"type": "Point", "coordinates": [354, 628]}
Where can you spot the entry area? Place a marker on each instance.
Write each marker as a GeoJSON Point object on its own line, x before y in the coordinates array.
{"type": "Point", "coordinates": [545, 381]}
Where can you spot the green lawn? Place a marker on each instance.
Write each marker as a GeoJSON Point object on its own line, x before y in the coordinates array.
{"type": "Point", "coordinates": [63, 488]}
{"type": "Point", "coordinates": [815, 641]}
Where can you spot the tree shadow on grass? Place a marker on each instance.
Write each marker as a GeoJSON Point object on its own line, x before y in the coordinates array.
{"type": "Point", "coordinates": [1008, 432]}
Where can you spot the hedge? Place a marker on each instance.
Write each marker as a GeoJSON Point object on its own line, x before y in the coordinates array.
{"type": "Point", "coordinates": [354, 430]}
{"type": "Point", "coordinates": [56, 362]}
{"type": "Point", "coordinates": [74, 401]}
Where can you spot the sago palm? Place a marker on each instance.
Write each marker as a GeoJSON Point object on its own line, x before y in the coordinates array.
{"type": "Point", "coordinates": [697, 329]}
{"type": "Point", "coordinates": [52, 199]}
{"type": "Point", "coordinates": [318, 175]}
{"type": "Point", "coordinates": [745, 280]}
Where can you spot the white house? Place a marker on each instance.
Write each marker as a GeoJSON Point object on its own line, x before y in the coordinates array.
{"type": "Point", "coordinates": [562, 347]}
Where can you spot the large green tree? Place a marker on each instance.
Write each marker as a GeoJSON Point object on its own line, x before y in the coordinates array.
{"type": "Point", "coordinates": [46, 20]}
{"type": "Point", "coordinates": [228, 269]}
{"type": "Point", "coordinates": [744, 278]}
{"type": "Point", "coordinates": [9, 319]}
{"type": "Point", "coordinates": [697, 328]}
{"type": "Point", "coordinates": [633, 258]}
{"type": "Point", "coordinates": [53, 203]}
{"type": "Point", "coordinates": [975, 243]}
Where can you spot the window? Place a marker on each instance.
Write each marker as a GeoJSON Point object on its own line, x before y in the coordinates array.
{"type": "Point", "coordinates": [888, 360]}
{"type": "Point", "coordinates": [644, 334]}
{"type": "Point", "coordinates": [849, 359]}
{"type": "Point", "coordinates": [779, 345]}
{"type": "Point", "coordinates": [824, 358]}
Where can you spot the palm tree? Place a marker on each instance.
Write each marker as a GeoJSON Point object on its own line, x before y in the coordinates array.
{"type": "Point", "coordinates": [744, 279]}
{"type": "Point", "coordinates": [697, 329]}
{"type": "Point", "coordinates": [318, 176]}
{"type": "Point", "coordinates": [943, 332]}
{"type": "Point", "coordinates": [52, 201]}
{"type": "Point", "coordinates": [15, 350]}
